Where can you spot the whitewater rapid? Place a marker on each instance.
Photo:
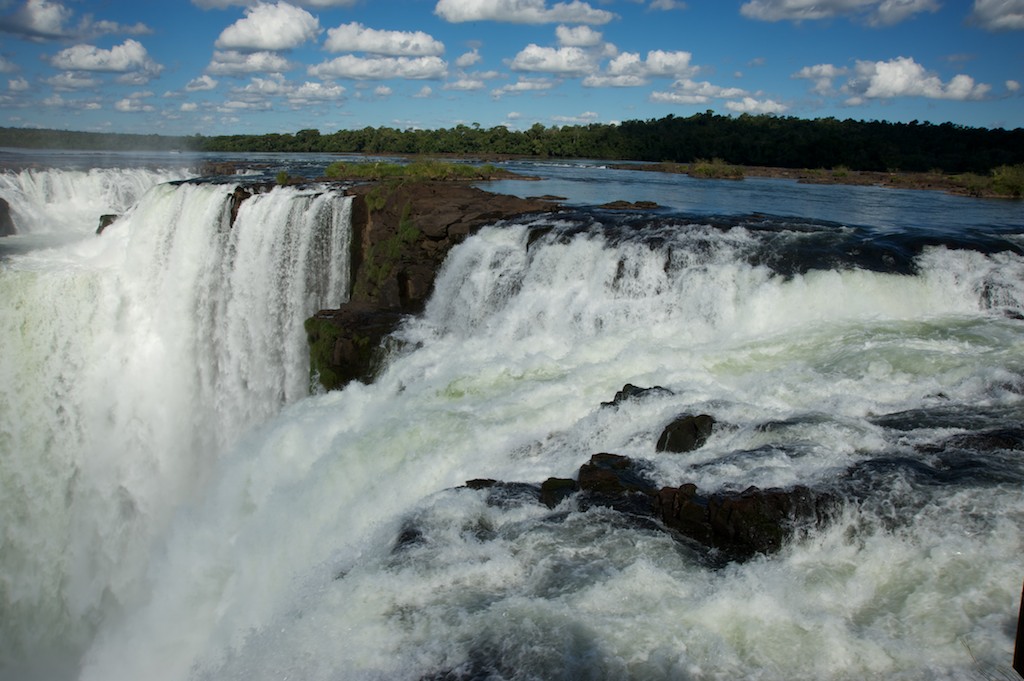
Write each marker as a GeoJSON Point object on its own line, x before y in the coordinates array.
{"type": "Point", "coordinates": [196, 515]}
{"type": "Point", "coordinates": [132, 360]}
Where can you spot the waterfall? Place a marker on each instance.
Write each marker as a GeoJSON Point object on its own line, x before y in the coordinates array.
{"type": "Point", "coordinates": [130, 361]}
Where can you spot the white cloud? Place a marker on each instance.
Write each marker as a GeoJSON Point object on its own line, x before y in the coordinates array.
{"type": "Point", "coordinates": [233, 63]}
{"type": "Point", "coordinates": [904, 77]}
{"type": "Point", "coordinates": [578, 36]}
{"type": "Point", "coordinates": [875, 12]}
{"type": "Point", "coordinates": [521, 12]}
{"type": "Point", "coordinates": [666, 5]}
{"type": "Point", "coordinates": [424, 92]}
{"type": "Point", "coordinates": [630, 70]}
{"type": "Point", "coordinates": [128, 56]}
{"type": "Point", "coordinates": [755, 106]}
{"type": "Point", "coordinates": [320, 4]}
{"type": "Point", "coordinates": [999, 15]}
{"type": "Point", "coordinates": [468, 59]}
{"type": "Point", "coordinates": [1013, 85]}
{"type": "Point", "coordinates": [134, 103]}
{"type": "Point", "coordinates": [319, 92]}
{"type": "Point", "coordinates": [581, 119]}
{"type": "Point", "coordinates": [203, 82]}
{"type": "Point", "coordinates": [382, 91]}
{"type": "Point", "coordinates": [69, 80]}
{"type": "Point", "coordinates": [189, 106]}
{"type": "Point", "coordinates": [355, 37]}
{"type": "Point", "coordinates": [562, 60]}
{"type": "Point", "coordinates": [465, 84]}
{"type": "Point", "coordinates": [686, 91]}
{"type": "Point", "coordinates": [523, 85]}
{"type": "Point", "coordinates": [270, 27]}
{"type": "Point", "coordinates": [8, 66]}
{"type": "Point", "coordinates": [380, 68]}
{"type": "Point", "coordinates": [49, 20]}
{"type": "Point", "coordinates": [822, 75]}
{"type": "Point", "coordinates": [17, 85]}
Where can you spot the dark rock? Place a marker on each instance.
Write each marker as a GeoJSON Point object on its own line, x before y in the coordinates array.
{"type": "Point", "coordinates": [401, 234]}
{"type": "Point", "coordinates": [347, 345]}
{"type": "Point", "coordinates": [630, 392]}
{"type": "Point", "coordinates": [617, 482]}
{"type": "Point", "coordinates": [686, 433]}
{"type": "Point", "coordinates": [554, 491]}
{"type": "Point", "coordinates": [7, 227]}
{"type": "Point", "coordinates": [106, 221]}
{"type": "Point", "coordinates": [629, 205]}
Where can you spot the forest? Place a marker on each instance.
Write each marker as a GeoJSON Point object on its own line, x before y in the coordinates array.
{"type": "Point", "coordinates": [751, 140]}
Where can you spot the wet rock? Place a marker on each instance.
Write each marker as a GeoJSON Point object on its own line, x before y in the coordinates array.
{"type": "Point", "coordinates": [686, 433]}
{"type": "Point", "coordinates": [401, 234]}
{"type": "Point", "coordinates": [106, 221]}
{"type": "Point", "coordinates": [7, 227]}
{"type": "Point", "coordinates": [629, 205]}
{"type": "Point", "coordinates": [554, 491]}
{"type": "Point", "coordinates": [632, 392]}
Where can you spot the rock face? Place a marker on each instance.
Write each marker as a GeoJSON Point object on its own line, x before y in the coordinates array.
{"type": "Point", "coordinates": [7, 227]}
{"type": "Point", "coordinates": [401, 233]}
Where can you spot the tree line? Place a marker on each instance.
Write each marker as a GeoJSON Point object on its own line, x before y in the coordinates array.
{"type": "Point", "coordinates": [753, 140]}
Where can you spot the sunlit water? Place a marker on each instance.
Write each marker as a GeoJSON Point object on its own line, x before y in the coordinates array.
{"type": "Point", "coordinates": [175, 506]}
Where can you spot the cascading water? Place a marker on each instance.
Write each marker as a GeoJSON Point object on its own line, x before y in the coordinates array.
{"type": "Point", "coordinates": [172, 510]}
{"type": "Point", "coordinates": [47, 201]}
{"type": "Point", "coordinates": [130, 361]}
{"type": "Point", "coordinates": [353, 552]}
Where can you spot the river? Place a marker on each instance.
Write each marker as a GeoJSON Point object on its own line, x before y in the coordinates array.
{"type": "Point", "coordinates": [176, 503]}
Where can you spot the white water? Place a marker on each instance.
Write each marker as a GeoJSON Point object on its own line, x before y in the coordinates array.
{"type": "Point", "coordinates": [286, 569]}
{"type": "Point", "coordinates": [130, 361]}
{"type": "Point", "coordinates": [49, 201]}
{"type": "Point", "coordinates": [280, 562]}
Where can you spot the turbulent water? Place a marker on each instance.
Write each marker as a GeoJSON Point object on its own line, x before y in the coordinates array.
{"type": "Point", "coordinates": [174, 506]}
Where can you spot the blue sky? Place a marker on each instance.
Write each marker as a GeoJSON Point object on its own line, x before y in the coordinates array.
{"type": "Point", "coordinates": [239, 66]}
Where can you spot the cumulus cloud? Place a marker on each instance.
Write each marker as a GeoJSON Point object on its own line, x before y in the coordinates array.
{"type": "Point", "coordinates": [465, 84]}
{"type": "Point", "coordinates": [17, 85]}
{"type": "Point", "coordinates": [234, 63]}
{"type": "Point", "coordinates": [318, 4]}
{"type": "Point", "coordinates": [381, 68]}
{"type": "Point", "coordinates": [998, 15]}
{"type": "Point", "coordinates": [201, 83]}
{"type": "Point", "coordinates": [629, 69]}
{"type": "Point", "coordinates": [7, 66]}
{"type": "Point", "coordinates": [129, 56]}
{"type": "Point", "coordinates": [267, 27]}
{"type": "Point", "coordinates": [134, 103]}
{"type": "Point", "coordinates": [756, 106]}
{"type": "Point", "coordinates": [521, 12]}
{"type": "Point", "coordinates": [823, 76]}
{"type": "Point", "coordinates": [523, 85]}
{"type": "Point", "coordinates": [1013, 86]}
{"type": "Point", "coordinates": [581, 119]}
{"type": "Point", "coordinates": [666, 5]}
{"type": "Point", "coordinates": [904, 77]}
{"type": "Point", "coordinates": [48, 20]}
{"type": "Point", "coordinates": [687, 91]}
{"type": "Point", "coordinates": [355, 37]}
{"type": "Point", "coordinates": [578, 36]}
{"type": "Point", "coordinates": [570, 61]}
{"type": "Point", "coordinates": [70, 80]}
{"type": "Point", "coordinates": [424, 92]}
{"type": "Point", "coordinates": [468, 59]}
{"type": "Point", "coordinates": [874, 12]}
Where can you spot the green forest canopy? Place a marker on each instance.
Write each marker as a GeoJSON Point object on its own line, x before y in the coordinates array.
{"type": "Point", "coordinates": [762, 140]}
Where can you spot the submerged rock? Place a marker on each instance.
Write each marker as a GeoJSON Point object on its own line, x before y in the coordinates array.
{"type": "Point", "coordinates": [686, 433]}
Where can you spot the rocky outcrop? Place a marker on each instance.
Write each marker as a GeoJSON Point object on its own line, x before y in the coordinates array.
{"type": "Point", "coordinates": [106, 221]}
{"type": "Point", "coordinates": [686, 433]}
{"type": "Point", "coordinates": [401, 233]}
{"type": "Point", "coordinates": [7, 227]}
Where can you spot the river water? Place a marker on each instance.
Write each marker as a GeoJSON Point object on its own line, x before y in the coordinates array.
{"type": "Point", "coordinates": [174, 504]}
